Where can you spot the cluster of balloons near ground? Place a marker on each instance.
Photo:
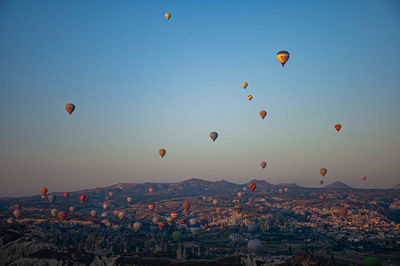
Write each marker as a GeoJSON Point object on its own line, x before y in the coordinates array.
{"type": "Point", "coordinates": [283, 57]}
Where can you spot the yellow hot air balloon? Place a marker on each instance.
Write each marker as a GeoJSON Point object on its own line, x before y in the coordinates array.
{"type": "Point", "coordinates": [213, 135]}
{"type": "Point", "coordinates": [244, 85]}
{"type": "Point", "coordinates": [162, 152]}
{"type": "Point", "coordinates": [283, 56]}
{"type": "Point", "coordinates": [167, 16]}
{"type": "Point", "coordinates": [263, 114]}
{"type": "Point", "coordinates": [70, 108]}
{"type": "Point", "coordinates": [250, 97]}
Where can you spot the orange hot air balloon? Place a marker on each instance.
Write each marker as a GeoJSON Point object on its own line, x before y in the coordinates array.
{"type": "Point", "coordinates": [151, 189]}
{"type": "Point", "coordinates": [151, 206]}
{"type": "Point", "coordinates": [121, 215]}
{"type": "Point", "coordinates": [43, 190]}
{"type": "Point", "coordinates": [167, 16]}
{"type": "Point", "coordinates": [286, 189]}
{"type": "Point", "coordinates": [250, 97]}
{"type": "Point", "coordinates": [160, 225]}
{"type": "Point", "coordinates": [70, 108]}
{"type": "Point", "coordinates": [66, 195]}
{"type": "Point", "coordinates": [218, 210]}
{"type": "Point", "coordinates": [244, 85]}
{"type": "Point", "coordinates": [17, 206]}
{"type": "Point", "coordinates": [174, 215]}
{"type": "Point", "coordinates": [363, 178]}
{"type": "Point", "coordinates": [263, 164]}
{"type": "Point", "coordinates": [214, 136]}
{"type": "Point", "coordinates": [186, 206]}
{"type": "Point", "coordinates": [110, 193]}
{"type": "Point", "coordinates": [263, 114]}
{"type": "Point", "coordinates": [62, 215]}
{"type": "Point", "coordinates": [252, 186]}
{"type": "Point", "coordinates": [283, 56]}
{"type": "Point", "coordinates": [323, 171]}
{"type": "Point", "coordinates": [162, 152]}
{"type": "Point", "coordinates": [338, 127]}
{"type": "Point", "coordinates": [107, 198]}
{"type": "Point", "coordinates": [83, 198]}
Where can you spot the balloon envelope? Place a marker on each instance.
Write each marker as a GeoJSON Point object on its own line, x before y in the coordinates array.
{"type": "Point", "coordinates": [263, 164]}
{"type": "Point", "coordinates": [244, 85]}
{"type": "Point", "coordinates": [323, 171]}
{"type": "Point", "coordinates": [263, 114]}
{"type": "Point", "coordinates": [338, 127]}
{"type": "Point", "coordinates": [167, 16]}
{"type": "Point", "coordinates": [252, 186]}
{"type": "Point", "coordinates": [162, 152]}
{"type": "Point", "coordinates": [283, 57]}
{"type": "Point", "coordinates": [70, 108]}
{"type": "Point", "coordinates": [213, 135]}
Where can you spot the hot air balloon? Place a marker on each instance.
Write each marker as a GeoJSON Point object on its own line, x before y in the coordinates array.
{"type": "Point", "coordinates": [282, 56]}
{"type": "Point", "coordinates": [321, 196]}
{"type": "Point", "coordinates": [263, 114]}
{"type": "Point", "coordinates": [250, 97]}
{"type": "Point", "coordinates": [286, 189]}
{"type": "Point", "coordinates": [162, 152]}
{"type": "Point", "coordinates": [155, 219]}
{"type": "Point", "coordinates": [70, 108]}
{"type": "Point", "coordinates": [53, 212]}
{"type": "Point", "coordinates": [254, 245]}
{"type": "Point", "coordinates": [16, 213]}
{"type": "Point", "coordinates": [338, 127]}
{"type": "Point", "coordinates": [244, 85]}
{"type": "Point", "coordinates": [151, 206]}
{"type": "Point", "coordinates": [215, 202]}
{"type": "Point", "coordinates": [174, 215]}
{"type": "Point", "coordinates": [192, 221]}
{"type": "Point", "coordinates": [129, 199]}
{"type": "Point", "coordinates": [176, 236]}
{"type": "Point", "coordinates": [151, 189]}
{"type": "Point", "coordinates": [107, 198]}
{"type": "Point", "coordinates": [263, 164]}
{"type": "Point", "coordinates": [186, 206]}
{"type": "Point", "coordinates": [121, 215]}
{"type": "Point", "coordinates": [213, 135]}
{"type": "Point", "coordinates": [323, 171]}
{"type": "Point", "coordinates": [11, 220]}
{"type": "Point", "coordinates": [160, 225]}
{"type": "Point", "coordinates": [239, 194]}
{"type": "Point", "coordinates": [62, 215]}
{"type": "Point", "coordinates": [83, 198]}
{"type": "Point", "coordinates": [169, 220]}
{"type": "Point", "coordinates": [252, 186]}
{"type": "Point", "coordinates": [363, 178]}
{"type": "Point", "coordinates": [167, 16]}
{"type": "Point", "coordinates": [280, 191]}
{"type": "Point", "coordinates": [218, 210]}
{"type": "Point", "coordinates": [66, 195]}
{"type": "Point", "coordinates": [51, 198]}
{"type": "Point", "coordinates": [244, 188]}
{"type": "Point", "coordinates": [93, 213]}
{"type": "Point", "coordinates": [17, 206]}
{"type": "Point", "coordinates": [71, 209]}
{"type": "Point", "coordinates": [343, 212]}
{"type": "Point", "coordinates": [110, 194]}
{"type": "Point", "coordinates": [137, 226]}
{"type": "Point", "coordinates": [43, 190]}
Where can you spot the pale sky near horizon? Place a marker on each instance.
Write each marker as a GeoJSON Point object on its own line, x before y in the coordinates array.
{"type": "Point", "coordinates": [141, 83]}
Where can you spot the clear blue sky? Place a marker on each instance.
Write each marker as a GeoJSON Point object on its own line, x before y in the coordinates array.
{"type": "Point", "coordinates": [140, 83]}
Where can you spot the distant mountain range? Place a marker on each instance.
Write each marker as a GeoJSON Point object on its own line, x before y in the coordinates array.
{"type": "Point", "coordinates": [396, 186]}
{"type": "Point", "coordinates": [339, 185]}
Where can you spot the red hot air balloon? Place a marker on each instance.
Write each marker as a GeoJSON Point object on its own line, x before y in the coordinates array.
{"type": "Point", "coordinates": [174, 215]}
{"type": "Point", "coordinates": [66, 195]}
{"type": "Point", "coordinates": [263, 164]}
{"type": "Point", "coordinates": [252, 186]}
{"type": "Point", "coordinates": [218, 210]}
{"type": "Point", "coordinates": [151, 189]}
{"type": "Point", "coordinates": [62, 215]}
{"type": "Point", "coordinates": [107, 198]}
{"type": "Point", "coordinates": [338, 127]}
{"type": "Point", "coordinates": [70, 108]}
{"type": "Point", "coordinates": [83, 198]}
{"type": "Point", "coordinates": [17, 206]}
{"type": "Point", "coordinates": [151, 206]}
{"type": "Point", "coordinates": [160, 225]}
{"type": "Point", "coordinates": [43, 190]}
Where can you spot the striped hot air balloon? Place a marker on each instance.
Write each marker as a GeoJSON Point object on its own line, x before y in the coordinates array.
{"type": "Point", "coordinates": [62, 215]}
{"type": "Point", "coordinates": [186, 206]}
{"type": "Point", "coordinates": [252, 186]}
{"type": "Point", "coordinates": [174, 215]}
{"type": "Point", "coordinates": [283, 57]}
{"type": "Point", "coordinates": [338, 127]}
